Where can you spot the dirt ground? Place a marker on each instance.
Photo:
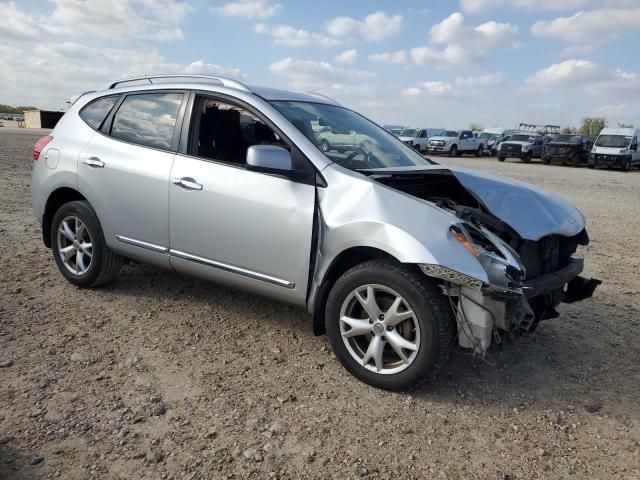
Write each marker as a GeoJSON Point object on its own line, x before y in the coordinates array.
{"type": "Point", "coordinates": [159, 376]}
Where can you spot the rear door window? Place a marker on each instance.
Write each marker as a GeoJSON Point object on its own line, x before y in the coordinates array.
{"type": "Point", "coordinates": [147, 119]}
{"type": "Point", "coordinates": [96, 111]}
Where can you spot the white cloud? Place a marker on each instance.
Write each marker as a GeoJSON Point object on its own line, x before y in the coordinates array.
{"type": "Point", "coordinates": [347, 57]}
{"type": "Point", "coordinates": [589, 27]}
{"type": "Point", "coordinates": [319, 76]}
{"type": "Point", "coordinates": [568, 71]}
{"type": "Point", "coordinates": [123, 20]}
{"type": "Point", "coordinates": [47, 74]}
{"type": "Point", "coordinates": [251, 9]}
{"type": "Point", "coordinates": [398, 57]}
{"type": "Point", "coordinates": [464, 44]}
{"type": "Point", "coordinates": [433, 88]}
{"type": "Point", "coordinates": [375, 27]}
{"type": "Point", "coordinates": [289, 36]}
{"type": "Point", "coordinates": [488, 80]}
{"type": "Point", "coordinates": [476, 6]}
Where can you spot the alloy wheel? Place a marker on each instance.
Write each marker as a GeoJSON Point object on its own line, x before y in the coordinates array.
{"type": "Point", "coordinates": [74, 245]}
{"type": "Point", "coordinates": [379, 329]}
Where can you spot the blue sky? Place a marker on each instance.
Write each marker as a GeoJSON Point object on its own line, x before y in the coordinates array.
{"type": "Point", "coordinates": [432, 64]}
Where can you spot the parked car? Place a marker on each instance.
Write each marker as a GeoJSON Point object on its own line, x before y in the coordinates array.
{"type": "Point", "coordinates": [396, 257]}
{"type": "Point", "coordinates": [567, 149]}
{"type": "Point", "coordinates": [332, 139]}
{"type": "Point", "coordinates": [492, 137]}
{"type": "Point", "coordinates": [616, 147]}
{"type": "Point", "coordinates": [525, 146]}
{"type": "Point", "coordinates": [455, 143]}
{"type": "Point", "coordinates": [395, 130]}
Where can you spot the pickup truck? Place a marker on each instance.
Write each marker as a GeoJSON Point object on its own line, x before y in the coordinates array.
{"type": "Point", "coordinates": [416, 138]}
{"type": "Point", "coordinates": [455, 143]}
{"type": "Point", "coordinates": [567, 149]}
{"type": "Point", "coordinates": [525, 146]}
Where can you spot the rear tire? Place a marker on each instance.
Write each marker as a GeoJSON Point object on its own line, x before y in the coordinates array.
{"type": "Point", "coordinates": [79, 248]}
{"type": "Point", "coordinates": [479, 152]}
{"type": "Point", "coordinates": [501, 158]}
{"type": "Point", "coordinates": [426, 326]}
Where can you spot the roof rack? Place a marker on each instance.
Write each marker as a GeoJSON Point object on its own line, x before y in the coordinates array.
{"type": "Point", "coordinates": [225, 82]}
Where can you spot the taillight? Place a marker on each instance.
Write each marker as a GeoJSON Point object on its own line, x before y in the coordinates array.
{"type": "Point", "coordinates": [39, 146]}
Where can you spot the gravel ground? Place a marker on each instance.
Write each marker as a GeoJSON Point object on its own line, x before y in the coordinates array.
{"type": "Point", "coordinates": [164, 376]}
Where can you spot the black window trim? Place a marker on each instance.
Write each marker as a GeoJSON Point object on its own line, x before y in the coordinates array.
{"type": "Point", "coordinates": [105, 129]}
{"type": "Point", "coordinates": [91, 102]}
{"type": "Point", "coordinates": [186, 131]}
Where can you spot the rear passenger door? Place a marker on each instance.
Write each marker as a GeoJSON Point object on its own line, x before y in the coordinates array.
{"type": "Point", "coordinates": [124, 172]}
{"type": "Point", "coordinates": [233, 225]}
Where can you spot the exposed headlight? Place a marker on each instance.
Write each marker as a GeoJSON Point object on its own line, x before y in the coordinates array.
{"type": "Point", "coordinates": [505, 272]}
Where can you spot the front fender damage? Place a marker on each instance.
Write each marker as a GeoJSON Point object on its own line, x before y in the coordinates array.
{"type": "Point", "coordinates": [504, 267]}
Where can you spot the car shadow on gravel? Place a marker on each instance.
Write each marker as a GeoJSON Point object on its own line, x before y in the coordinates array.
{"type": "Point", "coordinates": [16, 465]}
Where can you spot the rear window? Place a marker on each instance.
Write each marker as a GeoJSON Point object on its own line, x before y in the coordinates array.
{"type": "Point", "coordinates": [148, 119]}
{"type": "Point", "coordinates": [95, 112]}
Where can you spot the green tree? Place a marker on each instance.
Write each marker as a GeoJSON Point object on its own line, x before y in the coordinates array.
{"type": "Point", "coordinates": [592, 126]}
{"type": "Point", "coordinates": [625, 125]}
{"type": "Point", "coordinates": [476, 127]}
{"type": "Point", "coordinates": [568, 130]}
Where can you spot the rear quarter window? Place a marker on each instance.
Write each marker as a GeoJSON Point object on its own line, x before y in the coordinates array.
{"type": "Point", "coordinates": [147, 119]}
{"type": "Point", "coordinates": [96, 111]}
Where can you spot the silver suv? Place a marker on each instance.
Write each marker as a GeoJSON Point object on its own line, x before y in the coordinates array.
{"type": "Point", "coordinates": [396, 257]}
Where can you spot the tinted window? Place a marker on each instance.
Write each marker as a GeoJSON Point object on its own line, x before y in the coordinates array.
{"type": "Point", "coordinates": [95, 112]}
{"type": "Point", "coordinates": [147, 119]}
{"type": "Point", "coordinates": [224, 131]}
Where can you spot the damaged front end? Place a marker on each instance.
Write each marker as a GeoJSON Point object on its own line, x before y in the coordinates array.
{"type": "Point", "coordinates": [529, 271]}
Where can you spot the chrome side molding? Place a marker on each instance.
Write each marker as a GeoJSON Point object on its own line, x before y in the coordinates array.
{"type": "Point", "coordinates": [205, 261]}
{"type": "Point", "coordinates": [139, 243]}
{"type": "Point", "coordinates": [232, 268]}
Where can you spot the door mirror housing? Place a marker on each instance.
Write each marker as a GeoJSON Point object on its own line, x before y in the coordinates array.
{"type": "Point", "coordinates": [269, 159]}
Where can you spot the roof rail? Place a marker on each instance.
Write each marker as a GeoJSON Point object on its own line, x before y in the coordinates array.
{"type": "Point", "coordinates": [225, 82]}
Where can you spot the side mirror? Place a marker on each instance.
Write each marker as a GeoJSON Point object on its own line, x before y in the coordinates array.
{"type": "Point", "coordinates": [269, 159]}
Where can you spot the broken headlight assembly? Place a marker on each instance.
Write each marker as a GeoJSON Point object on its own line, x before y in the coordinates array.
{"type": "Point", "coordinates": [505, 272]}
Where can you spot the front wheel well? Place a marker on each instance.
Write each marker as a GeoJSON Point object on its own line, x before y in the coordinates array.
{"type": "Point", "coordinates": [345, 261]}
{"type": "Point", "coordinates": [57, 198]}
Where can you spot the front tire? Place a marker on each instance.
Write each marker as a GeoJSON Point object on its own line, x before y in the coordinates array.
{"type": "Point", "coordinates": [389, 325]}
{"type": "Point", "coordinates": [79, 248]}
{"type": "Point", "coordinates": [479, 152]}
{"type": "Point", "coordinates": [501, 158]}
{"type": "Point", "coordinates": [453, 151]}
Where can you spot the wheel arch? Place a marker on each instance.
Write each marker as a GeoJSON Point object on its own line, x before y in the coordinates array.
{"type": "Point", "coordinates": [343, 262]}
{"type": "Point", "coordinates": [56, 199]}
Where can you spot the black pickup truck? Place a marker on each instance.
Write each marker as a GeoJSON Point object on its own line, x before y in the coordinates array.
{"type": "Point", "coordinates": [568, 149]}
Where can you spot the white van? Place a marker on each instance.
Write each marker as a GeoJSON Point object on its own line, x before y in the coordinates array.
{"type": "Point", "coordinates": [493, 136]}
{"type": "Point", "coordinates": [616, 147]}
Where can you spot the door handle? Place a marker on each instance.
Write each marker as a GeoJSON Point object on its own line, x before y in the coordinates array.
{"type": "Point", "coordinates": [187, 183]}
{"type": "Point", "coordinates": [93, 162]}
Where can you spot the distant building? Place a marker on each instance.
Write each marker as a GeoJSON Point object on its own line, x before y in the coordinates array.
{"type": "Point", "coordinates": [41, 118]}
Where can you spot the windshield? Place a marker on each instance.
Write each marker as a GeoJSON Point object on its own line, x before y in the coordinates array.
{"type": "Point", "coordinates": [409, 132]}
{"type": "Point", "coordinates": [615, 141]}
{"type": "Point", "coordinates": [350, 140]}
{"type": "Point", "coordinates": [488, 136]}
{"type": "Point", "coordinates": [521, 138]}
{"type": "Point", "coordinates": [567, 139]}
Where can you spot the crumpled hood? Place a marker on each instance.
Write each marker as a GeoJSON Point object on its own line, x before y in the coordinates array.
{"type": "Point", "coordinates": [532, 212]}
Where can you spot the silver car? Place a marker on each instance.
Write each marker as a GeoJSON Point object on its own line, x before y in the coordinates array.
{"type": "Point", "coordinates": [396, 257]}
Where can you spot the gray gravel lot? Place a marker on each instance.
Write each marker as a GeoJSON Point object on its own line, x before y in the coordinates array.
{"type": "Point", "coordinates": [163, 376]}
